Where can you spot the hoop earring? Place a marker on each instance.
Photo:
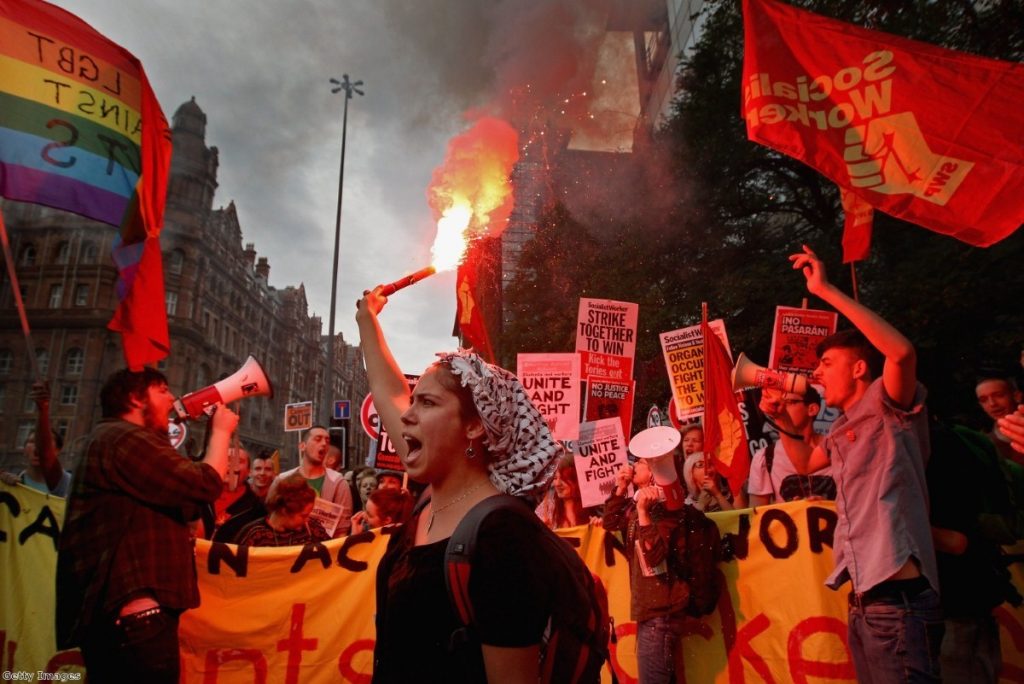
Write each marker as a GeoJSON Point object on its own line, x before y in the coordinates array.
{"type": "Point", "coordinates": [470, 452]}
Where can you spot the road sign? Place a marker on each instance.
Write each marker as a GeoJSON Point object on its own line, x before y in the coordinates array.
{"type": "Point", "coordinates": [298, 416]}
{"type": "Point", "coordinates": [368, 417]}
{"type": "Point", "coordinates": [342, 409]}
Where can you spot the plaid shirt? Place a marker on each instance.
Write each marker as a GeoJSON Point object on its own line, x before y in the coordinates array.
{"type": "Point", "coordinates": [126, 527]}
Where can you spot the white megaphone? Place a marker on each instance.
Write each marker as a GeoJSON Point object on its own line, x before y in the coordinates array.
{"type": "Point", "coordinates": [247, 381]}
{"type": "Point", "coordinates": [656, 446]}
{"type": "Point", "coordinates": [749, 374]}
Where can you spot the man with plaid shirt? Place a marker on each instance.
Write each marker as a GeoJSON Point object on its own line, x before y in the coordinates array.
{"type": "Point", "coordinates": [126, 567]}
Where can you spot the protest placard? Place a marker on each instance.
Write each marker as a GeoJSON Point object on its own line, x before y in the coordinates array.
{"type": "Point", "coordinates": [600, 452]}
{"type": "Point", "coordinates": [606, 339]}
{"type": "Point", "coordinates": [298, 416]}
{"type": "Point", "coordinates": [796, 335]}
{"type": "Point", "coordinates": [382, 454]}
{"type": "Point", "coordinates": [552, 382]}
{"type": "Point", "coordinates": [610, 400]}
{"type": "Point", "coordinates": [684, 361]}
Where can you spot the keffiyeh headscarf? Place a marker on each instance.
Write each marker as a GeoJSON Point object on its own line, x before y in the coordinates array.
{"type": "Point", "coordinates": [523, 454]}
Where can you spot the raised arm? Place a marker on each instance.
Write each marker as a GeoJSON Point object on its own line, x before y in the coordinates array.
{"type": "Point", "coordinates": [899, 375]}
{"type": "Point", "coordinates": [49, 464]}
{"type": "Point", "coordinates": [390, 390]}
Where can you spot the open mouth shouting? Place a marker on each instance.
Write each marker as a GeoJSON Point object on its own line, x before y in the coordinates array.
{"type": "Point", "coordinates": [415, 446]}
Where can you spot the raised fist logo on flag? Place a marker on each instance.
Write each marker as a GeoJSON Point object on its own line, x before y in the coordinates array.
{"type": "Point", "coordinates": [890, 155]}
{"type": "Point", "coordinates": [922, 133]}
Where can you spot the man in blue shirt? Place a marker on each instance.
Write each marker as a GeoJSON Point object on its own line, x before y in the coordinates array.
{"type": "Point", "coordinates": [878, 450]}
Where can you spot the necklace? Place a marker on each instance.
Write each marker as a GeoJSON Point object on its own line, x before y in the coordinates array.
{"type": "Point", "coordinates": [434, 511]}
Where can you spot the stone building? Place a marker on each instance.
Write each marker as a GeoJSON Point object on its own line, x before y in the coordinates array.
{"type": "Point", "coordinates": [220, 304]}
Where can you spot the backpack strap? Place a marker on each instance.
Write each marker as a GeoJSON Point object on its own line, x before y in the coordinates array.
{"type": "Point", "coordinates": [458, 556]}
{"type": "Point", "coordinates": [769, 460]}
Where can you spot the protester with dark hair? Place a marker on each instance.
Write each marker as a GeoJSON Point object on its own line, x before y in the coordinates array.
{"type": "Point", "coordinates": [126, 565]}
{"type": "Point", "coordinates": [237, 505]}
{"type": "Point", "coordinates": [469, 431]}
{"type": "Point", "coordinates": [389, 479]}
{"type": "Point", "coordinates": [261, 475]}
{"type": "Point", "coordinates": [287, 523]}
{"type": "Point", "coordinates": [878, 448]}
{"type": "Point", "coordinates": [772, 475]}
{"type": "Point", "coordinates": [328, 484]}
{"type": "Point", "coordinates": [999, 396]}
{"type": "Point", "coordinates": [386, 506]}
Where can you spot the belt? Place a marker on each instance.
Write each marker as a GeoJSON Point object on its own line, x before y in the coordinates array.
{"type": "Point", "coordinates": [890, 591]}
{"type": "Point", "coordinates": [141, 615]}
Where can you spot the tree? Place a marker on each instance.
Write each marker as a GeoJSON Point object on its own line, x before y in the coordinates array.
{"type": "Point", "coordinates": [740, 209]}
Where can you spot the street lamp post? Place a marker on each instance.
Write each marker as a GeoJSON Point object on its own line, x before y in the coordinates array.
{"type": "Point", "coordinates": [349, 87]}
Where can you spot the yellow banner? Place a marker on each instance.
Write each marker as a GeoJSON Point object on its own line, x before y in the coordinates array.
{"type": "Point", "coordinates": [306, 615]}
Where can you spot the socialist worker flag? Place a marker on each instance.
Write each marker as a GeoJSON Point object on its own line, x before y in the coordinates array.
{"type": "Point", "coordinates": [81, 131]}
{"type": "Point", "coordinates": [725, 439]}
{"type": "Point", "coordinates": [929, 135]}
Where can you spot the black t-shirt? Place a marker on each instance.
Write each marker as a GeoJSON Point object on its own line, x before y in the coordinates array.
{"type": "Point", "coordinates": [510, 591]}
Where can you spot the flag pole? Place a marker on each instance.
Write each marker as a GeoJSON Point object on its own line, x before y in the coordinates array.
{"type": "Point", "coordinates": [853, 278]}
{"type": "Point", "coordinates": [16, 291]}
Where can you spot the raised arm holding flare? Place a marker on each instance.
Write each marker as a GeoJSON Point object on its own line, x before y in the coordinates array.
{"type": "Point", "coordinates": [468, 431]}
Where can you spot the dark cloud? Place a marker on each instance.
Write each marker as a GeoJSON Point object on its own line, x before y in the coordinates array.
{"type": "Point", "coordinates": [260, 72]}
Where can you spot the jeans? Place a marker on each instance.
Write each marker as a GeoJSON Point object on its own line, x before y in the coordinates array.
{"type": "Point", "coordinates": [897, 639]}
{"type": "Point", "coordinates": [657, 642]}
{"type": "Point", "coordinates": [970, 651]}
{"type": "Point", "coordinates": [136, 650]}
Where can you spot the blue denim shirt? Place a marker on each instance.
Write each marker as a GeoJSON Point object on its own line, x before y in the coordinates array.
{"type": "Point", "coordinates": [879, 452]}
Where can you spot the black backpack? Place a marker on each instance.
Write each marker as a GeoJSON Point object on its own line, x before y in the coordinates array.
{"type": "Point", "coordinates": [575, 645]}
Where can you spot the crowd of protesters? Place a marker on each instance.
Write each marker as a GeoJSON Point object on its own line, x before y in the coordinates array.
{"type": "Point", "coordinates": [925, 511]}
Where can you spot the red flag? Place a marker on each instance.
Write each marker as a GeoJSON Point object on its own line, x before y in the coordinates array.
{"type": "Point", "coordinates": [858, 220]}
{"type": "Point", "coordinates": [98, 145]}
{"type": "Point", "coordinates": [469, 320]}
{"type": "Point", "coordinates": [930, 135]}
{"type": "Point", "coordinates": [725, 440]}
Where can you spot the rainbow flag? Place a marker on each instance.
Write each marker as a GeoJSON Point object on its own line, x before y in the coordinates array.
{"type": "Point", "coordinates": [80, 130]}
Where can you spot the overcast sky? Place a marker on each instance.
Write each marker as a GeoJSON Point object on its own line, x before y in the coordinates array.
{"type": "Point", "coordinates": [260, 71]}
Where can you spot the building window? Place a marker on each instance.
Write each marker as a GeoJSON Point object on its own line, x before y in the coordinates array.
{"type": "Point", "coordinates": [69, 395]}
{"type": "Point", "coordinates": [25, 429]}
{"type": "Point", "coordinates": [81, 295]}
{"type": "Point", "coordinates": [6, 361]}
{"type": "Point", "coordinates": [63, 427]}
{"type": "Point", "coordinates": [89, 253]}
{"type": "Point", "coordinates": [56, 296]}
{"type": "Point", "coordinates": [28, 255]}
{"type": "Point", "coordinates": [75, 362]}
{"type": "Point", "coordinates": [175, 262]}
{"type": "Point", "coordinates": [171, 299]}
{"type": "Point", "coordinates": [43, 361]}
{"type": "Point", "coordinates": [62, 253]}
